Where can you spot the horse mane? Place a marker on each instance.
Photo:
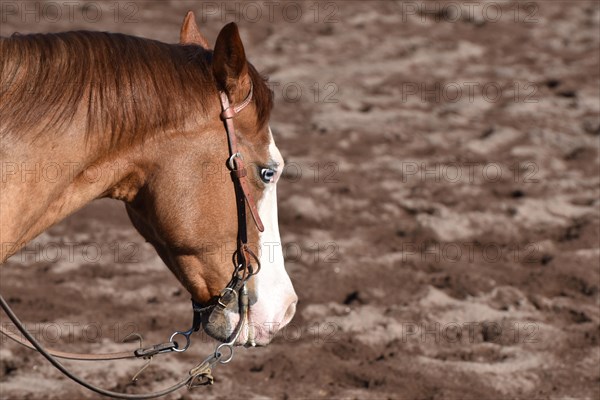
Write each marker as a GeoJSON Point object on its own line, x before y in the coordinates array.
{"type": "Point", "coordinates": [128, 87]}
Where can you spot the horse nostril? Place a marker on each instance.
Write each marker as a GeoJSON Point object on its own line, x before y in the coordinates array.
{"type": "Point", "coordinates": [289, 313]}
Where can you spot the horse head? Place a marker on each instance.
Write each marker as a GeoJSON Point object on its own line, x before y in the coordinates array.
{"type": "Point", "coordinates": [187, 207]}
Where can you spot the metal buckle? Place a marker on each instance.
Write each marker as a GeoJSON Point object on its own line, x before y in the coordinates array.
{"type": "Point", "coordinates": [230, 164]}
{"type": "Point", "coordinates": [224, 293]}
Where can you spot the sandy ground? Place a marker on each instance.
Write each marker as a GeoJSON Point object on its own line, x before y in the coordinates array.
{"type": "Point", "coordinates": [440, 209]}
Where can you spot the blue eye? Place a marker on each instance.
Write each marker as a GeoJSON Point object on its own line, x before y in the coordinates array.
{"type": "Point", "coordinates": [267, 175]}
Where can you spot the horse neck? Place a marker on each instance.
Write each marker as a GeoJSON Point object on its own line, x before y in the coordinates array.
{"type": "Point", "coordinates": [45, 181]}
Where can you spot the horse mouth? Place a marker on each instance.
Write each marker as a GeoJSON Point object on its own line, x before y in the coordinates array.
{"type": "Point", "coordinates": [222, 324]}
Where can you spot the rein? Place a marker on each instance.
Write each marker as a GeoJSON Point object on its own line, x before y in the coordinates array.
{"type": "Point", "coordinates": [236, 289]}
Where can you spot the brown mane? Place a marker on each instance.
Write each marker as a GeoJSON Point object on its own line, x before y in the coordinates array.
{"type": "Point", "coordinates": [129, 87]}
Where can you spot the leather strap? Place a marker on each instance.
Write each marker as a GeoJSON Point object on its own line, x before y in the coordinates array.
{"type": "Point", "coordinates": [117, 395]}
{"type": "Point", "coordinates": [70, 356]}
{"type": "Point", "coordinates": [236, 163]}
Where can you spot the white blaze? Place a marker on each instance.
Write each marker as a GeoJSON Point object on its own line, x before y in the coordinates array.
{"type": "Point", "coordinates": [272, 291]}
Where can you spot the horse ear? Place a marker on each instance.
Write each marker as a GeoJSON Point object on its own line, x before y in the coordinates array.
{"type": "Point", "coordinates": [190, 33]}
{"type": "Point", "coordinates": [230, 66]}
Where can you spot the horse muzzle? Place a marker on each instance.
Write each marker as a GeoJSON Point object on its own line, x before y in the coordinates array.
{"type": "Point", "coordinates": [249, 326]}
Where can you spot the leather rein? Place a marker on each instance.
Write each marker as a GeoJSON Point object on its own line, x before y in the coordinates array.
{"type": "Point", "coordinates": [243, 259]}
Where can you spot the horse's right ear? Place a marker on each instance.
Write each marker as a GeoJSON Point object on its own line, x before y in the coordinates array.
{"type": "Point", "coordinates": [230, 67]}
{"type": "Point", "coordinates": [190, 33]}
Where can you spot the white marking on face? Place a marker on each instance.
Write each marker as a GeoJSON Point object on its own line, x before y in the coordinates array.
{"type": "Point", "coordinates": [273, 291]}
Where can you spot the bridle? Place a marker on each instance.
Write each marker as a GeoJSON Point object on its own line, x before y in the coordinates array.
{"type": "Point", "coordinates": [243, 259]}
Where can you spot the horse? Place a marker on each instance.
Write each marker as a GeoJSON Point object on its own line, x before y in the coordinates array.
{"type": "Point", "coordinates": [137, 120]}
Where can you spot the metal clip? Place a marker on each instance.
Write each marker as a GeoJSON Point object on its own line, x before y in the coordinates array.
{"type": "Point", "coordinates": [142, 353]}
{"type": "Point", "coordinates": [156, 349]}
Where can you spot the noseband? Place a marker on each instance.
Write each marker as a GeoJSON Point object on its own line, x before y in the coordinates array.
{"type": "Point", "coordinates": [243, 260]}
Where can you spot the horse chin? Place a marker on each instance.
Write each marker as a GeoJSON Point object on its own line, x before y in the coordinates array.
{"type": "Point", "coordinates": [221, 324]}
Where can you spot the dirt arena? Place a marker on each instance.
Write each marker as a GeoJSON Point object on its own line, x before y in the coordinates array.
{"type": "Point", "coordinates": [439, 211]}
